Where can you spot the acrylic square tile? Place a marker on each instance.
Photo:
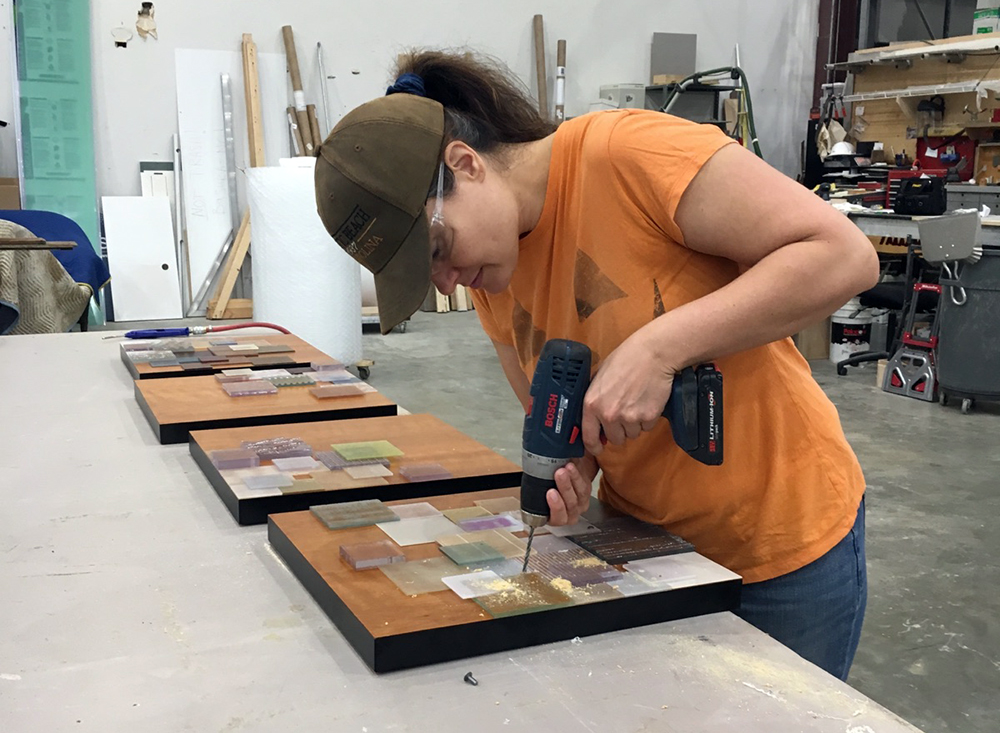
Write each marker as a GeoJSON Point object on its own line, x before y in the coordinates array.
{"type": "Point", "coordinates": [160, 363]}
{"type": "Point", "coordinates": [244, 348]}
{"type": "Point", "coordinates": [471, 554]}
{"type": "Point", "coordinates": [373, 471]}
{"type": "Point", "coordinates": [188, 360]}
{"type": "Point", "coordinates": [238, 372]}
{"type": "Point", "coordinates": [500, 521]}
{"type": "Point", "coordinates": [580, 528]}
{"type": "Point", "coordinates": [327, 366]}
{"type": "Point", "coordinates": [302, 486]}
{"type": "Point", "coordinates": [234, 458]}
{"type": "Point", "coordinates": [413, 511]}
{"type": "Point", "coordinates": [465, 512]}
{"type": "Point", "coordinates": [501, 505]}
{"type": "Point", "coordinates": [334, 462]}
{"type": "Point", "coordinates": [268, 481]}
{"type": "Point", "coordinates": [198, 368]}
{"type": "Point", "coordinates": [297, 464]}
{"type": "Point", "coordinates": [420, 576]}
{"type": "Point", "coordinates": [292, 380]}
{"type": "Point", "coordinates": [500, 540]}
{"type": "Point", "coordinates": [371, 554]}
{"type": "Point", "coordinates": [416, 472]}
{"type": "Point", "coordinates": [590, 593]}
{"type": "Point", "coordinates": [531, 593]}
{"type": "Point", "coordinates": [270, 360]}
{"type": "Point", "coordinates": [333, 391]}
{"type": "Point", "coordinates": [271, 448]}
{"type": "Point", "coordinates": [473, 585]}
{"type": "Point", "coordinates": [576, 567]}
{"type": "Point", "coordinates": [667, 570]}
{"type": "Point", "coordinates": [354, 514]}
{"type": "Point", "coordinates": [547, 544]}
{"type": "Point", "coordinates": [422, 530]}
{"type": "Point", "coordinates": [366, 450]}
{"type": "Point", "coordinates": [253, 387]}
{"type": "Point", "coordinates": [626, 539]}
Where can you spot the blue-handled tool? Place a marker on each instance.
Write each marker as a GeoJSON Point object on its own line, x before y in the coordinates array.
{"type": "Point", "coordinates": [181, 331]}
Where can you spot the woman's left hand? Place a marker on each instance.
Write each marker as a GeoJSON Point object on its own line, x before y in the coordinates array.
{"type": "Point", "coordinates": [628, 394]}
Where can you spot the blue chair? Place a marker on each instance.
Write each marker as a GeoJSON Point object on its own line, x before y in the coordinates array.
{"type": "Point", "coordinates": [82, 263]}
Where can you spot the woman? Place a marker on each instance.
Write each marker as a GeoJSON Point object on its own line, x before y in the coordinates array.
{"type": "Point", "coordinates": [659, 244]}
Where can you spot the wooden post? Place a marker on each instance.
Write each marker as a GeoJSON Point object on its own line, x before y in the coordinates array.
{"type": "Point", "coordinates": [300, 98]}
{"type": "Point", "coordinates": [314, 130]}
{"type": "Point", "coordinates": [540, 75]}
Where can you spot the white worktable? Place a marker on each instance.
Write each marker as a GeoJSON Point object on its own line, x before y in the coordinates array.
{"type": "Point", "coordinates": [130, 600]}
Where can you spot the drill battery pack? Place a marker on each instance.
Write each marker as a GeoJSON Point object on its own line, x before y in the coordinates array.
{"type": "Point", "coordinates": [695, 413]}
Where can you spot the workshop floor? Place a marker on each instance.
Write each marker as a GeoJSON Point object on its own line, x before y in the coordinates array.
{"type": "Point", "coordinates": [930, 650]}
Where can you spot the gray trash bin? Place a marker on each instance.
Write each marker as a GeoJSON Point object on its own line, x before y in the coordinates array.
{"type": "Point", "coordinates": [968, 351]}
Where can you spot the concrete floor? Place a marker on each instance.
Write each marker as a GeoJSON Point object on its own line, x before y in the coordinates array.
{"type": "Point", "coordinates": [930, 650]}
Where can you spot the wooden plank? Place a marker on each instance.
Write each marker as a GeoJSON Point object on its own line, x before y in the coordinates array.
{"type": "Point", "coordinates": [175, 407]}
{"type": "Point", "coordinates": [231, 270]}
{"type": "Point", "coordinates": [461, 298]}
{"type": "Point", "coordinates": [238, 308]}
{"type": "Point", "coordinates": [541, 78]}
{"type": "Point", "coordinates": [391, 630]}
{"type": "Point", "coordinates": [301, 354]}
{"type": "Point", "coordinates": [251, 94]}
{"type": "Point", "coordinates": [421, 438]}
{"type": "Point", "coordinates": [443, 304]}
{"type": "Point", "coordinates": [32, 243]}
{"type": "Point", "coordinates": [314, 130]}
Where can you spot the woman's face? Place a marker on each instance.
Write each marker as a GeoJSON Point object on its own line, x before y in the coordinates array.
{"type": "Point", "coordinates": [474, 237]}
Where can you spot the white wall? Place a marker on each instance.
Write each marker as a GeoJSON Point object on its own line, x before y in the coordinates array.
{"type": "Point", "coordinates": [608, 42]}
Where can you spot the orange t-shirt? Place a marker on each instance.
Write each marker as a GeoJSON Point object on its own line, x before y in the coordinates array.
{"type": "Point", "coordinates": [605, 258]}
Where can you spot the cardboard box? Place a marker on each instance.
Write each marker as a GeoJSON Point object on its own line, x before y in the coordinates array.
{"type": "Point", "coordinates": [10, 194]}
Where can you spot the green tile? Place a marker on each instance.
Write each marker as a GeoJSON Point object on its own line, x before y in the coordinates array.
{"type": "Point", "coordinates": [366, 450]}
{"type": "Point", "coordinates": [475, 553]}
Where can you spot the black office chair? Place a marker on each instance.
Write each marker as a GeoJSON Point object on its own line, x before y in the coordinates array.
{"type": "Point", "coordinates": [895, 297]}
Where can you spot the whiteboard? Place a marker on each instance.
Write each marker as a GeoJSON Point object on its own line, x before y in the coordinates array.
{"type": "Point", "coordinates": [207, 212]}
{"type": "Point", "coordinates": [140, 240]}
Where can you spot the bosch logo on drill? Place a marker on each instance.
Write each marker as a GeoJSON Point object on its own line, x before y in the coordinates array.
{"type": "Point", "coordinates": [550, 410]}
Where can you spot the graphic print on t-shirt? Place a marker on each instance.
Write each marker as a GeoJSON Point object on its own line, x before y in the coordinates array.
{"type": "Point", "coordinates": [658, 309]}
{"type": "Point", "coordinates": [591, 287]}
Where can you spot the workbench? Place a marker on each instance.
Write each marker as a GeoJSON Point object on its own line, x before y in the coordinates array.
{"type": "Point", "coordinates": [132, 601]}
{"type": "Point", "coordinates": [899, 225]}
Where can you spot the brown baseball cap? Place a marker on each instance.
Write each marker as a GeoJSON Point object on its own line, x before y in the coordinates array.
{"type": "Point", "coordinates": [373, 174]}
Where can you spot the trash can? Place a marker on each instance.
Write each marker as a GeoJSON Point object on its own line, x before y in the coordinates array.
{"type": "Point", "coordinates": [968, 350]}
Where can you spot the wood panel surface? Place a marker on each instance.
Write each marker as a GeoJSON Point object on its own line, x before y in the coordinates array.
{"type": "Point", "coordinates": [175, 407]}
{"type": "Point", "coordinates": [392, 630]}
{"type": "Point", "coordinates": [421, 438]}
{"type": "Point", "coordinates": [303, 355]}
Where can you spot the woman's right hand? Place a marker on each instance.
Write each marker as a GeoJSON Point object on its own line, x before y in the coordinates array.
{"type": "Point", "coordinates": [571, 497]}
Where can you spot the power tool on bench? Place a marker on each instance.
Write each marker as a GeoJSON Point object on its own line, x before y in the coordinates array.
{"type": "Point", "coordinates": [552, 427]}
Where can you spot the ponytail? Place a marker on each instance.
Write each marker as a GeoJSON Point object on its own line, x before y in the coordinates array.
{"type": "Point", "coordinates": [485, 106]}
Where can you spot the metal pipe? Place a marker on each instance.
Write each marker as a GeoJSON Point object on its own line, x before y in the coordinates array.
{"type": "Point", "coordinates": [180, 245]}
{"type": "Point", "coordinates": [230, 143]}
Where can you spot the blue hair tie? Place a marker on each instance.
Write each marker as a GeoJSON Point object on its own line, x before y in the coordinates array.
{"type": "Point", "coordinates": [408, 84]}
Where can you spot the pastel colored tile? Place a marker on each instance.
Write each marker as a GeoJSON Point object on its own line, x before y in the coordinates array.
{"type": "Point", "coordinates": [326, 366]}
{"type": "Point", "coordinates": [292, 380]}
{"type": "Point", "coordinates": [244, 348]}
{"type": "Point", "coordinates": [366, 555]}
{"type": "Point", "coordinates": [417, 509]}
{"type": "Point", "coordinates": [500, 521]}
{"type": "Point", "coordinates": [373, 471]}
{"type": "Point", "coordinates": [245, 389]}
{"type": "Point", "coordinates": [268, 481]}
{"type": "Point", "coordinates": [530, 593]}
{"type": "Point", "coordinates": [465, 512]}
{"type": "Point", "coordinates": [501, 505]}
{"type": "Point", "coordinates": [234, 458]}
{"type": "Point", "coordinates": [366, 450]}
{"type": "Point", "coordinates": [500, 540]}
{"type": "Point", "coordinates": [334, 462]}
{"type": "Point", "coordinates": [297, 464]}
{"type": "Point", "coordinates": [473, 585]}
{"type": "Point", "coordinates": [416, 472]}
{"type": "Point", "coordinates": [328, 391]}
{"type": "Point", "coordinates": [274, 349]}
{"type": "Point", "coordinates": [221, 351]}
{"type": "Point", "coordinates": [268, 373]}
{"type": "Point", "coordinates": [354, 514]}
{"type": "Point", "coordinates": [336, 377]}
{"type": "Point", "coordinates": [225, 378]}
{"type": "Point", "coordinates": [302, 486]}
{"type": "Point", "coordinates": [420, 576]}
{"type": "Point", "coordinates": [472, 554]}
{"type": "Point", "coordinates": [247, 372]}
{"type": "Point", "coordinates": [422, 530]}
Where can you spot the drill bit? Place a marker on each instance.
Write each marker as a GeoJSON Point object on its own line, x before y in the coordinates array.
{"type": "Point", "coordinates": [527, 552]}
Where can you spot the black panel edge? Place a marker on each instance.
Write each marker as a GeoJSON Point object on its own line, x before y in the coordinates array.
{"type": "Point", "coordinates": [179, 432]}
{"type": "Point", "coordinates": [447, 644]}
{"type": "Point", "coordinates": [256, 511]}
{"type": "Point", "coordinates": [335, 609]}
{"type": "Point", "coordinates": [218, 483]}
{"type": "Point", "coordinates": [215, 370]}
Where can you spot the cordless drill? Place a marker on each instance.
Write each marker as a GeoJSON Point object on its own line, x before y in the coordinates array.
{"type": "Point", "coordinates": [552, 427]}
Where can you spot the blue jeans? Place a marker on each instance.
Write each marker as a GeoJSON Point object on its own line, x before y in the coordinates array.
{"type": "Point", "coordinates": [818, 609]}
